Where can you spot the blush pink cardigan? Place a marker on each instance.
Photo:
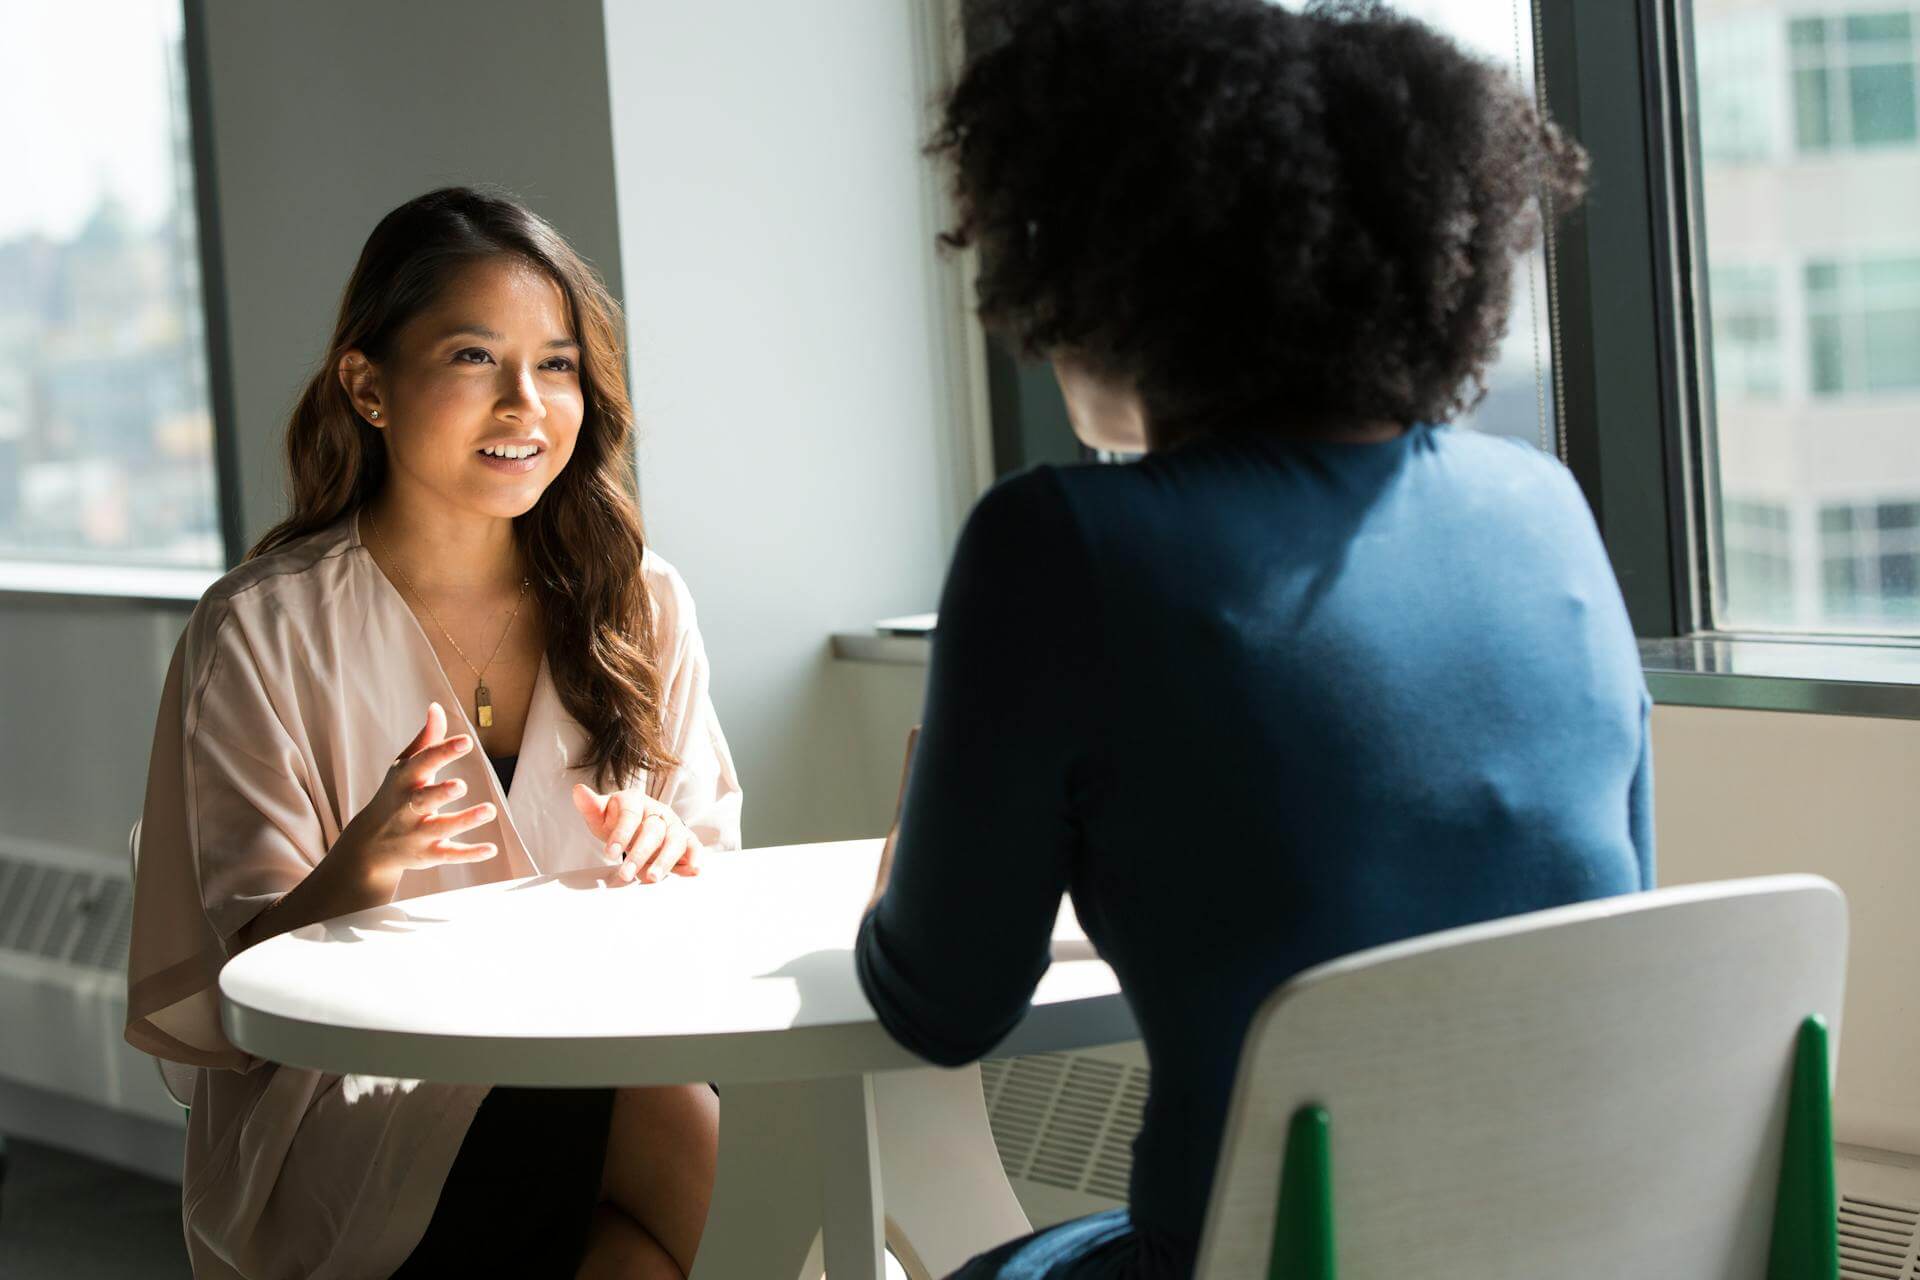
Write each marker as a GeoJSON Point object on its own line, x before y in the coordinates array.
{"type": "Point", "coordinates": [301, 675]}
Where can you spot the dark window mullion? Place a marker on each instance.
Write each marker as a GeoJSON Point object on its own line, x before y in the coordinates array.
{"type": "Point", "coordinates": [1622, 265]}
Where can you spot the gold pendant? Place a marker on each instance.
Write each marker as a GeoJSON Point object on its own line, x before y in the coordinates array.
{"type": "Point", "coordinates": [483, 705]}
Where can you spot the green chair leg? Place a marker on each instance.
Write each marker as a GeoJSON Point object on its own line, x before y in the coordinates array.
{"type": "Point", "coordinates": [1806, 1232]}
{"type": "Point", "coordinates": [1303, 1223]}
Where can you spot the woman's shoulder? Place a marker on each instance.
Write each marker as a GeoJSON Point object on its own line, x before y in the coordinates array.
{"type": "Point", "coordinates": [672, 600]}
{"type": "Point", "coordinates": [291, 566]}
{"type": "Point", "coordinates": [300, 575]}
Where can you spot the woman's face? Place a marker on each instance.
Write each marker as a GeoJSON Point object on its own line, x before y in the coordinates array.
{"type": "Point", "coordinates": [1105, 414]}
{"type": "Point", "coordinates": [479, 397]}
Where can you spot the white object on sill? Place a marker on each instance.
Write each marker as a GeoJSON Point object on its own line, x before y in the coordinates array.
{"type": "Point", "coordinates": [907, 624]}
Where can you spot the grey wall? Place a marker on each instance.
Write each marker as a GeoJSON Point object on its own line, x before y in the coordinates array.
{"type": "Point", "coordinates": [323, 118]}
{"type": "Point", "coordinates": [793, 368]}
{"type": "Point", "coordinates": [327, 115]}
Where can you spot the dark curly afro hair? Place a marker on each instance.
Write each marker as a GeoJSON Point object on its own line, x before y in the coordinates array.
{"type": "Point", "coordinates": [1263, 220]}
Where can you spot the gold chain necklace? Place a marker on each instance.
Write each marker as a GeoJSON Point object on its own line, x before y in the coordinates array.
{"type": "Point", "coordinates": [482, 697]}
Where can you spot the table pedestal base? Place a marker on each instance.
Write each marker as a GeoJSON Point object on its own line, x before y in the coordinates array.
{"type": "Point", "coordinates": [840, 1158]}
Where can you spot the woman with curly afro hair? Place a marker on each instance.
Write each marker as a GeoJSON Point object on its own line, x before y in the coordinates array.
{"type": "Point", "coordinates": [1319, 672]}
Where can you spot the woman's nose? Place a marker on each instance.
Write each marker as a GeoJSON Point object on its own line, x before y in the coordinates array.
{"type": "Point", "coordinates": [521, 398]}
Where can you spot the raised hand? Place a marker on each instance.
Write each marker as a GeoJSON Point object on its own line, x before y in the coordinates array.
{"type": "Point", "coordinates": [402, 828]}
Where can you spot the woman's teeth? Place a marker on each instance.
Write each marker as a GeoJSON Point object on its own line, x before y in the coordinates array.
{"type": "Point", "coordinates": [511, 450]}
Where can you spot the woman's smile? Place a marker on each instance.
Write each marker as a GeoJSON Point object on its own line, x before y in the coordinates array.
{"type": "Point", "coordinates": [511, 457]}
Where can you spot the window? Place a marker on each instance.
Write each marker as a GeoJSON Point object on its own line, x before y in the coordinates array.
{"type": "Point", "coordinates": [1870, 562]}
{"type": "Point", "coordinates": [1863, 325]}
{"type": "Point", "coordinates": [106, 436]}
{"type": "Point", "coordinates": [1813, 333]}
{"type": "Point", "coordinates": [1521, 391]}
{"type": "Point", "coordinates": [1759, 558]}
{"type": "Point", "coordinates": [1853, 80]}
{"type": "Point", "coordinates": [1746, 331]}
{"type": "Point", "coordinates": [1741, 114]}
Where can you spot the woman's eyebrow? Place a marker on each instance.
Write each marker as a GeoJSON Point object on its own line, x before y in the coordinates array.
{"type": "Point", "coordinates": [481, 331]}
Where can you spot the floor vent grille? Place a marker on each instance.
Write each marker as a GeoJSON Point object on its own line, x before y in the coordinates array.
{"type": "Point", "coordinates": [1878, 1239]}
{"type": "Point", "coordinates": [76, 916]}
{"type": "Point", "coordinates": [1066, 1120]}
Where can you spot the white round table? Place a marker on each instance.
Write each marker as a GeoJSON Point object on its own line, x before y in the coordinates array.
{"type": "Point", "coordinates": [742, 976]}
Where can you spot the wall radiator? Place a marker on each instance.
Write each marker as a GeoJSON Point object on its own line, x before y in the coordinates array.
{"type": "Point", "coordinates": [65, 917]}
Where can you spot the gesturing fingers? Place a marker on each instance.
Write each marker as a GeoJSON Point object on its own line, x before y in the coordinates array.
{"type": "Point", "coordinates": [431, 732]}
{"type": "Point", "coordinates": [593, 808]}
{"type": "Point", "coordinates": [443, 826]}
{"type": "Point", "coordinates": [689, 864]}
{"type": "Point", "coordinates": [624, 821]}
{"type": "Point", "coordinates": [425, 800]}
{"type": "Point", "coordinates": [673, 847]}
{"type": "Point", "coordinates": [423, 764]}
{"type": "Point", "coordinates": [451, 851]}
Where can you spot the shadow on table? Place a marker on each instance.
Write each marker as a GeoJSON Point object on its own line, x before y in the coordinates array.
{"type": "Point", "coordinates": [825, 983]}
{"type": "Point", "coordinates": [389, 919]}
{"type": "Point", "coordinates": [584, 878]}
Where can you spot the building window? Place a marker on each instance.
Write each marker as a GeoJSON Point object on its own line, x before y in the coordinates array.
{"type": "Point", "coordinates": [1812, 439]}
{"type": "Point", "coordinates": [1863, 325]}
{"type": "Point", "coordinates": [1740, 105]}
{"type": "Point", "coordinates": [1870, 563]}
{"type": "Point", "coordinates": [1746, 331]}
{"type": "Point", "coordinates": [1853, 80]}
{"type": "Point", "coordinates": [106, 437]}
{"type": "Point", "coordinates": [1757, 553]}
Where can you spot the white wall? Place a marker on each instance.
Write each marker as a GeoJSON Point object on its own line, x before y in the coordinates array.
{"type": "Point", "coordinates": [792, 365]}
{"type": "Point", "coordinates": [328, 115]}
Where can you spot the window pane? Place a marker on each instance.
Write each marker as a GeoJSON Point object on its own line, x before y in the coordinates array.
{"type": "Point", "coordinates": [1866, 28]}
{"type": "Point", "coordinates": [1892, 348]}
{"type": "Point", "coordinates": [1881, 101]}
{"type": "Point", "coordinates": [1829, 354]}
{"type": "Point", "coordinates": [1896, 575]}
{"type": "Point", "coordinates": [1811, 109]}
{"type": "Point", "coordinates": [1899, 515]}
{"type": "Point", "coordinates": [106, 441]}
{"type": "Point", "coordinates": [1746, 330]}
{"type": "Point", "coordinates": [1805, 33]}
{"type": "Point", "coordinates": [1834, 442]}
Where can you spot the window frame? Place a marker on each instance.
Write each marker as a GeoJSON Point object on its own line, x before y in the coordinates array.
{"type": "Point", "coordinates": [1632, 299]}
{"type": "Point", "coordinates": [38, 579]}
{"type": "Point", "coordinates": [1636, 311]}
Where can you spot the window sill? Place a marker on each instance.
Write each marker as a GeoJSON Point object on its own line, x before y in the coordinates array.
{"type": "Point", "coordinates": [119, 584]}
{"type": "Point", "coordinates": [1826, 676]}
{"type": "Point", "coordinates": [888, 650]}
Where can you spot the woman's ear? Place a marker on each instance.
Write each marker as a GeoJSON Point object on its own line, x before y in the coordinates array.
{"type": "Point", "coordinates": [361, 381]}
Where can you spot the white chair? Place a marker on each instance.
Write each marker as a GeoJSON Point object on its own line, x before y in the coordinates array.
{"type": "Point", "coordinates": [1600, 1090]}
{"type": "Point", "coordinates": [176, 1076]}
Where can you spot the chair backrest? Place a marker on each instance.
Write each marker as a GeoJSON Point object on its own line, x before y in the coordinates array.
{"type": "Point", "coordinates": [176, 1076]}
{"type": "Point", "coordinates": [1598, 1090]}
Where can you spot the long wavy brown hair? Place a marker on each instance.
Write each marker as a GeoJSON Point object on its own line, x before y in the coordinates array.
{"type": "Point", "coordinates": [583, 540]}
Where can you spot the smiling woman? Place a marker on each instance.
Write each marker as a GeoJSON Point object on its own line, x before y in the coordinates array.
{"type": "Point", "coordinates": [461, 519]}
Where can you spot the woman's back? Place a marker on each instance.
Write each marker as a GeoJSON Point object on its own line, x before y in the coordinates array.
{"type": "Point", "coordinates": [1256, 703]}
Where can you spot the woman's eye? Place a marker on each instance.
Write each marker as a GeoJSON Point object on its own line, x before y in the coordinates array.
{"type": "Point", "coordinates": [460, 357]}
{"type": "Point", "coordinates": [560, 364]}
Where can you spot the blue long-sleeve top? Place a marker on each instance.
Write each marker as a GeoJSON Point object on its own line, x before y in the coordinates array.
{"type": "Point", "coordinates": [1254, 704]}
